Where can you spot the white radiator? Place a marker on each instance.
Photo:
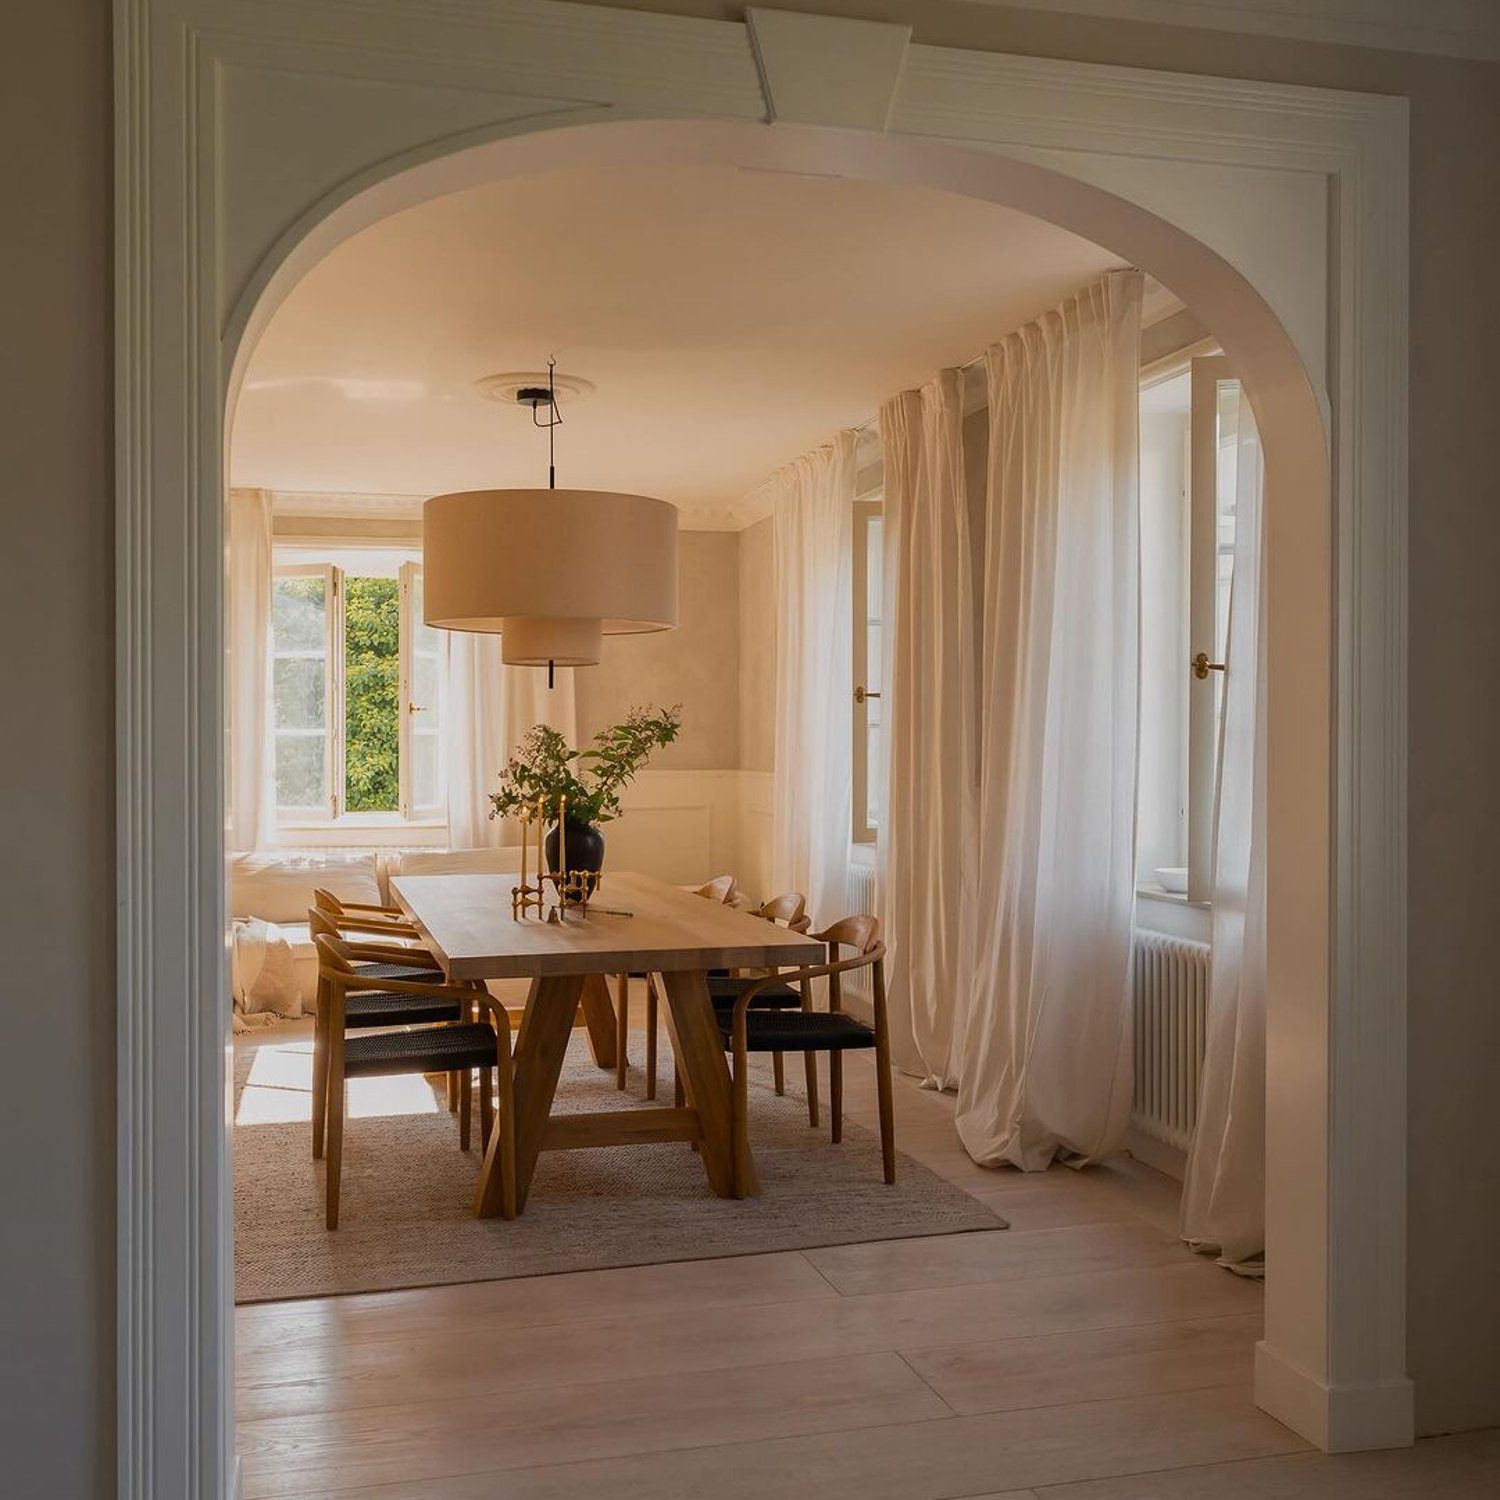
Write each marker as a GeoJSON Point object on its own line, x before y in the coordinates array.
{"type": "Point", "coordinates": [1170, 995]}
{"type": "Point", "coordinates": [859, 986]}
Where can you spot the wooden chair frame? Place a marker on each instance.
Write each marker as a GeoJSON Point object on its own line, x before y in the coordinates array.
{"type": "Point", "coordinates": [336, 977]}
{"type": "Point", "coordinates": [722, 888]}
{"type": "Point", "coordinates": [863, 934]}
{"type": "Point", "coordinates": [362, 916]}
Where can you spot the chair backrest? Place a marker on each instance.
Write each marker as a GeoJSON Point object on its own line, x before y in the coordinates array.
{"type": "Point", "coordinates": [319, 923]}
{"type": "Point", "coordinates": [862, 933]}
{"type": "Point", "coordinates": [333, 955]}
{"type": "Point", "coordinates": [720, 889]}
{"type": "Point", "coordinates": [325, 900]}
{"type": "Point", "coordinates": [790, 908]}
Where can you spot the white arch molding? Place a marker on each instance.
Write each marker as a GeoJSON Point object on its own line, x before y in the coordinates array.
{"type": "Point", "coordinates": [251, 136]}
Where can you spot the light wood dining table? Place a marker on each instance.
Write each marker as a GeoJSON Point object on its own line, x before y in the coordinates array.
{"type": "Point", "coordinates": [466, 922]}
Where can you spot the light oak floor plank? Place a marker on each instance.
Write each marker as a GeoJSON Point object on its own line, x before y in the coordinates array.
{"type": "Point", "coordinates": [936, 1460]}
{"type": "Point", "coordinates": [426, 1441]}
{"type": "Point", "coordinates": [492, 1358]}
{"type": "Point", "coordinates": [1462, 1467]}
{"type": "Point", "coordinates": [1156, 1358]}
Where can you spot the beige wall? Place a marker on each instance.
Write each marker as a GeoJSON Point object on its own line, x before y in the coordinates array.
{"type": "Point", "coordinates": [57, 1009]}
{"type": "Point", "coordinates": [696, 665]}
{"type": "Point", "coordinates": [54, 431]}
{"type": "Point", "coordinates": [757, 649]}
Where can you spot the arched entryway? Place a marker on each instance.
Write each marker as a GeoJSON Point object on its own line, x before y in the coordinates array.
{"type": "Point", "coordinates": [1310, 1355]}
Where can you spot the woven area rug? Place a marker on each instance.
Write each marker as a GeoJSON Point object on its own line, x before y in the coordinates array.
{"type": "Point", "coordinates": [405, 1219]}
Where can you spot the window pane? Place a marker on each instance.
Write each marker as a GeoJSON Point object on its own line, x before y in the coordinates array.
{"type": "Point", "coordinates": [1226, 475]}
{"type": "Point", "coordinates": [299, 771]}
{"type": "Point", "coordinates": [424, 770]}
{"type": "Point", "coordinates": [372, 670]}
{"type": "Point", "coordinates": [299, 689]}
{"type": "Point", "coordinates": [299, 614]}
{"type": "Point", "coordinates": [874, 774]}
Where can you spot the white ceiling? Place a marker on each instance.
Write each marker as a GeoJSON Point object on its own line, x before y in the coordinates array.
{"type": "Point", "coordinates": [730, 320]}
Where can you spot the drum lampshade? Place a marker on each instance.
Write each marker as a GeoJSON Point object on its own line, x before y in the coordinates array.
{"type": "Point", "coordinates": [550, 571]}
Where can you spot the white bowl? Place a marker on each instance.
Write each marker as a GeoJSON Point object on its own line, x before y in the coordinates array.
{"type": "Point", "coordinates": [1172, 879]}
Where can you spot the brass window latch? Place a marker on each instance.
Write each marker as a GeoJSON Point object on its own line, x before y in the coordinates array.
{"type": "Point", "coordinates": [862, 692]}
{"type": "Point", "coordinates": [1202, 666]}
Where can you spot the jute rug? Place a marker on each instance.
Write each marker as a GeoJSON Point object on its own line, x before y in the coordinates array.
{"type": "Point", "coordinates": [405, 1219]}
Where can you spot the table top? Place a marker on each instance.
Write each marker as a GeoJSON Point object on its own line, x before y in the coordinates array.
{"type": "Point", "coordinates": [466, 922]}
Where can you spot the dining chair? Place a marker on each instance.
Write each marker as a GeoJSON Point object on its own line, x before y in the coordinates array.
{"type": "Point", "coordinates": [721, 888]}
{"type": "Point", "coordinates": [458, 1046]}
{"type": "Point", "coordinates": [361, 916]}
{"type": "Point", "coordinates": [745, 1028]}
{"type": "Point", "coordinates": [378, 963]}
{"type": "Point", "coordinates": [724, 988]}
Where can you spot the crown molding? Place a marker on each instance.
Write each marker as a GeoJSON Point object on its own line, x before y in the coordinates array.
{"type": "Point", "coordinates": [1468, 29]}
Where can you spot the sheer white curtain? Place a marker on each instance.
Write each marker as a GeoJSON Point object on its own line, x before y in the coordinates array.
{"type": "Point", "coordinates": [487, 708]}
{"type": "Point", "coordinates": [926, 848]}
{"type": "Point", "coordinates": [1046, 1068]}
{"type": "Point", "coordinates": [1223, 1199]}
{"type": "Point", "coordinates": [812, 524]}
{"type": "Point", "coordinates": [251, 808]}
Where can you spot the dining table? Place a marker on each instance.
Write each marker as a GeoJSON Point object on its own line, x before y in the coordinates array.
{"type": "Point", "coordinates": [634, 924]}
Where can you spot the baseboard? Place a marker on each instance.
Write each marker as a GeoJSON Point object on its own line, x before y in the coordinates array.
{"type": "Point", "coordinates": [1337, 1418]}
{"type": "Point", "coordinates": [1169, 1160]}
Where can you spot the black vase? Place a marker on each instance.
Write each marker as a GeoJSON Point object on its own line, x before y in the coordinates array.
{"type": "Point", "coordinates": [585, 849]}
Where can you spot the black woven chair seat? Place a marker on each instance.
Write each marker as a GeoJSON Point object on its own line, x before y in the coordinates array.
{"type": "Point", "coordinates": [797, 1031]}
{"type": "Point", "coordinates": [416, 973]}
{"type": "Point", "coordinates": [726, 990]}
{"type": "Point", "coordinates": [433, 1049]}
{"type": "Point", "coordinates": [378, 1008]}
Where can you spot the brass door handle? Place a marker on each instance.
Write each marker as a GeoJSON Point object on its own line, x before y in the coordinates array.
{"type": "Point", "coordinates": [862, 692]}
{"type": "Point", "coordinates": [1202, 666]}
{"type": "Point", "coordinates": [416, 708]}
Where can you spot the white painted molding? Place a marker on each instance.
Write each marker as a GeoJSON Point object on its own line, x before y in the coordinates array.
{"type": "Point", "coordinates": [1338, 1418]}
{"type": "Point", "coordinates": [1446, 28]}
{"type": "Point", "coordinates": [826, 70]}
{"type": "Point", "coordinates": [241, 126]}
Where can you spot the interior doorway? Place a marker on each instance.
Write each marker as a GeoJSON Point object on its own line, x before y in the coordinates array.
{"type": "Point", "coordinates": [1302, 582]}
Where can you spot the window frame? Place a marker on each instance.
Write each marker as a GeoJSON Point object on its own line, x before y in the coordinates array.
{"type": "Point", "coordinates": [336, 824]}
{"type": "Point", "coordinates": [862, 830]}
{"type": "Point", "coordinates": [408, 809]}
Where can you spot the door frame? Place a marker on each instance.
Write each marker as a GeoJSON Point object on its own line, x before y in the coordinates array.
{"type": "Point", "coordinates": [216, 214]}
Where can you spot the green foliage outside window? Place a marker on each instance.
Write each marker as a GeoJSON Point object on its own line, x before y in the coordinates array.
{"type": "Point", "coordinates": [372, 680]}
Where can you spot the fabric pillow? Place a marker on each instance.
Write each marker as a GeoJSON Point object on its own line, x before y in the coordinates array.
{"type": "Point", "coordinates": [264, 970]}
{"type": "Point", "coordinates": [279, 887]}
{"type": "Point", "coordinates": [459, 862]}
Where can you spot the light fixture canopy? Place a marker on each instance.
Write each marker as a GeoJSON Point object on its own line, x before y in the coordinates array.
{"type": "Point", "coordinates": [551, 571]}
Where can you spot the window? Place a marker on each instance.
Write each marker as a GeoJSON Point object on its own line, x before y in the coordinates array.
{"type": "Point", "coordinates": [869, 763]}
{"type": "Point", "coordinates": [1189, 422]}
{"type": "Point", "coordinates": [355, 682]}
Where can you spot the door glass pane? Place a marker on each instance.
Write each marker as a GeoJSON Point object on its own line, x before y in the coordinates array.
{"type": "Point", "coordinates": [424, 774]}
{"type": "Point", "coordinates": [299, 676]}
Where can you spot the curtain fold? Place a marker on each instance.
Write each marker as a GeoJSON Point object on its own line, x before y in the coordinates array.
{"type": "Point", "coordinates": [1223, 1200]}
{"type": "Point", "coordinates": [487, 708]}
{"type": "Point", "coordinates": [926, 850]}
{"type": "Point", "coordinates": [812, 524]}
{"type": "Point", "coordinates": [1046, 1068]}
{"type": "Point", "coordinates": [251, 799]}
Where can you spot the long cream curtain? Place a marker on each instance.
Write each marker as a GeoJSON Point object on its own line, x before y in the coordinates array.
{"type": "Point", "coordinates": [812, 512]}
{"type": "Point", "coordinates": [1046, 1063]}
{"type": "Point", "coordinates": [926, 850]}
{"type": "Point", "coordinates": [1223, 1200]}
{"type": "Point", "coordinates": [250, 801]}
{"type": "Point", "coordinates": [487, 707]}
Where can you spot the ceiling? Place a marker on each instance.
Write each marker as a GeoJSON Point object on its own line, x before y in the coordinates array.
{"type": "Point", "coordinates": [728, 319]}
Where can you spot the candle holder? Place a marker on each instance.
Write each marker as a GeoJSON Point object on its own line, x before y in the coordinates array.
{"type": "Point", "coordinates": [572, 889]}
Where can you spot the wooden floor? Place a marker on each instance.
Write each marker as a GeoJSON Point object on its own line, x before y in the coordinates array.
{"type": "Point", "coordinates": [1084, 1355]}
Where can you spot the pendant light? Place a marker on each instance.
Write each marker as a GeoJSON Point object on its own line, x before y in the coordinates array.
{"type": "Point", "coordinates": [550, 571]}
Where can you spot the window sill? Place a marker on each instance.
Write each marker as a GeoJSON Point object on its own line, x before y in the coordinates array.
{"type": "Point", "coordinates": [1176, 898]}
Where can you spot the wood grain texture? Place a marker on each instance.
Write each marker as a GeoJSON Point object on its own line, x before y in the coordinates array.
{"type": "Point", "coordinates": [465, 920]}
